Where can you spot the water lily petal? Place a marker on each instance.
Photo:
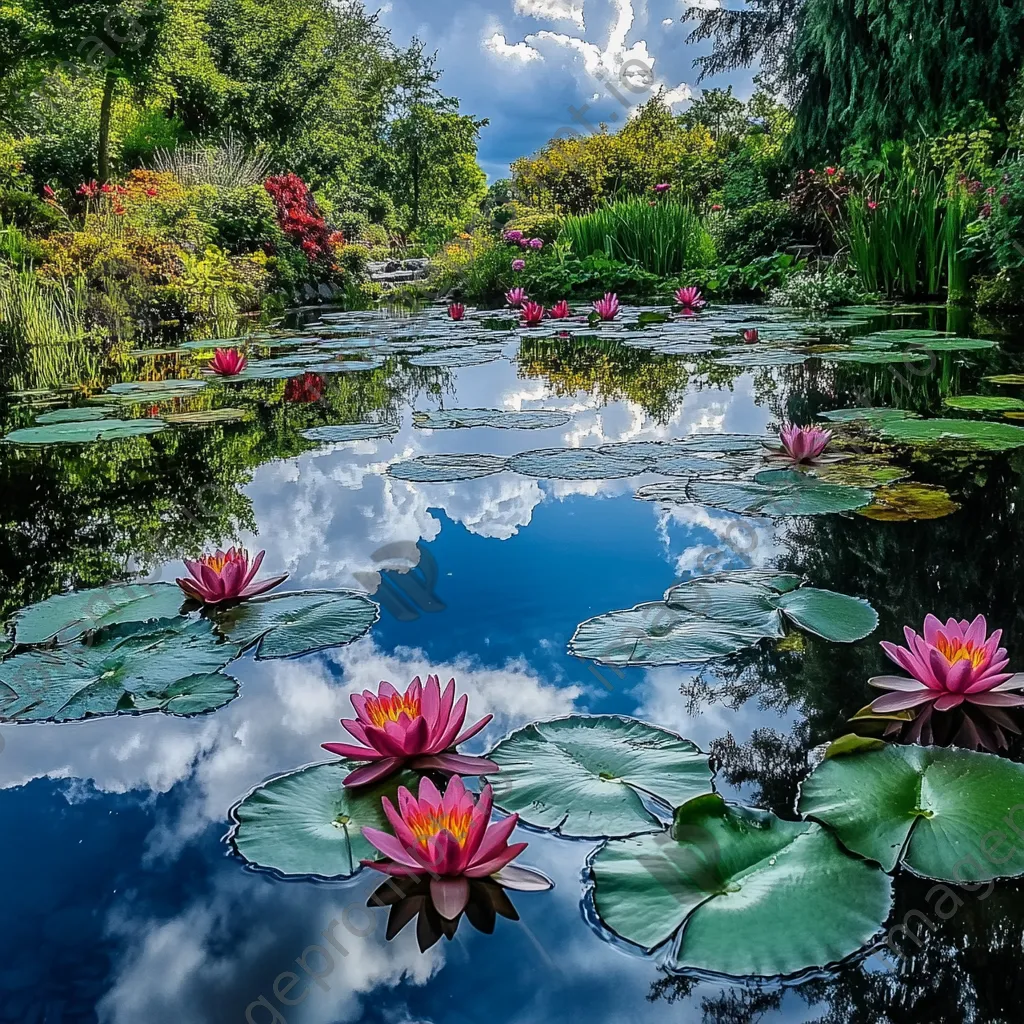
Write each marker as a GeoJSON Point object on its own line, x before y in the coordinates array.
{"type": "Point", "coordinates": [351, 750]}
{"type": "Point", "coordinates": [449, 896]}
{"type": "Point", "coordinates": [523, 879]}
{"type": "Point", "coordinates": [897, 683]}
{"type": "Point", "coordinates": [497, 862]}
{"type": "Point", "coordinates": [262, 586]}
{"type": "Point", "coordinates": [901, 701]}
{"type": "Point", "coordinates": [390, 847]}
{"type": "Point", "coordinates": [472, 730]}
{"type": "Point", "coordinates": [373, 772]}
{"type": "Point", "coordinates": [455, 764]}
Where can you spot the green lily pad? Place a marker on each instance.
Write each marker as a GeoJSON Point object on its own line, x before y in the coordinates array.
{"type": "Point", "coordinates": [956, 345]}
{"type": "Point", "coordinates": [65, 617]}
{"type": "Point", "coordinates": [873, 356]}
{"type": "Point", "coordinates": [587, 777]}
{"type": "Point", "coordinates": [205, 417]}
{"type": "Point", "coordinates": [984, 403]}
{"type": "Point", "coordinates": [307, 823]}
{"type": "Point", "coordinates": [173, 387]}
{"type": "Point", "coordinates": [657, 634]}
{"type": "Point", "coordinates": [960, 434]}
{"type": "Point", "coordinates": [836, 617]}
{"type": "Point", "coordinates": [943, 813]}
{"type": "Point", "coordinates": [772, 493]}
{"type": "Point", "coordinates": [503, 419]}
{"type": "Point", "coordinates": [171, 665]}
{"type": "Point", "coordinates": [79, 414]}
{"type": "Point", "coordinates": [465, 355]}
{"type": "Point", "coordinates": [293, 624]}
{"type": "Point", "coordinates": [1007, 378]}
{"type": "Point", "coordinates": [868, 415]}
{"type": "Point", "coordinates": [84, 431]}
{"type": "Point", "coordinates": [340, 432]}
{"type": "Point", "coordinates": [741, 892]}
{"type": "Point", "coordinates": [909, 501]}
{"type": "Point", "coordinates": [444, 468]}
{"type": "Point", "coordinates": [754, 356]}
{"type": "Point", "coordinates": [577, 464]}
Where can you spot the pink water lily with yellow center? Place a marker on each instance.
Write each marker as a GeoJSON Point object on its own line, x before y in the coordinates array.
{"type": "Point", "coordinates": [226, 576]}
{"type": "Point", "coordinates": [228, 362]}
{"type": "Point", "coordinates": [952, 663]}
{"type": "Point", "coordinates": [417, 729]}
{"type": "Point", "coordinates": [450, 838]}
{"type": "Point", "coordinates": [533, 314]}
{"type": "Point", "coordinates": [690, 298]}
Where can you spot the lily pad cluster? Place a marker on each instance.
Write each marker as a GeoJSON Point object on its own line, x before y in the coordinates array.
{"type": "Point", "coordinates": [132, 648]}
{"type": "Point", "coordinates": [716, 616]}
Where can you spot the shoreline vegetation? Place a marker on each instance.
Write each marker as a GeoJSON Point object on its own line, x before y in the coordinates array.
{"type": "Point", "coordinates": [215, 160]}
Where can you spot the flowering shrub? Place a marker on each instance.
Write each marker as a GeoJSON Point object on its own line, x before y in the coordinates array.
{"type": "Point", "coordinates": [301, 220]}
{"type": "Point", "coordinates": [817, 290]}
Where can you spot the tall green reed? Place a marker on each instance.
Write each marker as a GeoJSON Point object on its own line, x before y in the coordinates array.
{"type": "Point", "coordinates": [664, 238]}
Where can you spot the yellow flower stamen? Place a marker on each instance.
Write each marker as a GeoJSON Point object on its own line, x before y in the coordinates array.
{"type": "Point", "coordinates": [429, 822]}
{"type": "Point", "coordinates": [389, 709]}
{"type": "Point", "coordinates": [959, 650]}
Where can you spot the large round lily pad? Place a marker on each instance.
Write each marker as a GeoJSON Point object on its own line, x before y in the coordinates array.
{"type": "Point", "coordinates": [292, 624]}
{"type": "Point", "coordinates": [171, 665]}
{"type": "Point", "coordinates": [65, 617]}
{"type": "Point", "coordinates": [307, 823]}
{"type": "Point", "coordinates": [984, 403]}
{"type": "Point", "coordinates": [909, 501]}
{"type": "Point", "coordinates": [741, 891]}
{"type": "Point", "coordinates": [577, 464]}
{"type": "Point", "coordinates": [84, 431]}
{"type": "Point", "coordinates": [873, 414]}
{"type": "Point", "coordinates": [78, 414]}
{"type": "Point", "coordinates": [172, 387]}
{"type": "Point", "coordinates": [503, 419]}
{"type": "Point", "coordinates": [588, 776]}
{"type": "Point", "coordinates": [944, 813]}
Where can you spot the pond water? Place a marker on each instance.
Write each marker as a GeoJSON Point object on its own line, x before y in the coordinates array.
{"type": "Point", "coordinates": [124, 900]}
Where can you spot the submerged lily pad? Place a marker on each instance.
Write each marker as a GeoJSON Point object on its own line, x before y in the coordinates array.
{"type": "Point", "coordinates": [587, 777]}
{"type": "Point", "coordinates": [65, 617]}
{"type": "Point", "coordinates": [172, 666]}
{"type": "Point", "coordinates": [307, 823]}
{"type": "Point", "coordinates": [741, 891]}
{"type": "Point", "coordinates": [984, 403]}
{"type": "Point", "coordinates": [292, 624]}
{"type": "Point", "coordinates": [205, 417]}
{"type": "Point", "coordinates": [84, 431]}
{"type": "Point", "coordinates": [964, 434]}
{"type": "Point", "coordinates": [339, 432]}
{"type": "Point", "coordinates": [444, 468]}
{"type": "Point", "coordinates": [504, 419]}
{"type": "Point", "coordinates": [943, 813]}
{"type": "Point", "coordinates": [910, 501]}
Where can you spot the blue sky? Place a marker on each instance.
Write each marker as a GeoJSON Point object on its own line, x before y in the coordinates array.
{"type": "Point", "coordinates": [535, 67]}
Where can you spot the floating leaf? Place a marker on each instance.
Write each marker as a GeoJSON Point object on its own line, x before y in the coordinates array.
{"type": "Point", "coordinates": [340, 432]}
{"type": "Point", "coordinates": [984, 403]}
{"type": "Point", "coordinates": [586, 776]}
{"type": "Point", "coordinates": [872, 356]}
{"type": "Point", "coordinates": [65, 617]}
{"type": "Point", "coordinates": [868, 415]}
{"type": "Point", "coordinates": [292, 624]}
{"type": "Point", "coordinates": [504, 419]}
{"type": "Point", "coordinates": [462, 356]}
{"type": "Point", "coordinates": [963, 434]}
{"type": "Point", "coordinates": [173, 387]}
{"type": "Point", "coordinates": [166, 666]}
{"type": "Point", "coordinates": [744, 892]}
{"type": "Point", "coordinates": [904, 502]}
{"type": "Point", "coordinates": [936, 810]}
{"type": "Point", "coordinates": [78, 414]}
{"type": "Point", "coordinates": [1007, 378]}
{"type": "Point", "coordinates": [836, 617]}
{"type": "Point", "coordinates": [205, 417]}
{"type": "Point", "coordinates": [755, 356]}
{"type": "Point", "coordinates": [956, 345]}
{"type": "Point", "coordinates": [443, 468]}
{"type": "Point", "coordinates": [307, 823]}
{"type": "Point", "coordinates": [84, 431]}
{"type": "Point", "coordinates": [577, 464]}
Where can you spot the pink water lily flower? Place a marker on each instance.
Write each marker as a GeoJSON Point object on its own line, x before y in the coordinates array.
{"type": "Point", "coordinates": [451, 839]}
{"type": "Point", "coordinates": [751, 335]}
{"type": "Point", "coordinates": [457, 311]}
{"type": "Point", "coordinates": [515, 297]}
{"type": "Point", "coordinates": [228, 362]}
{"type": "Point", "coordinates": [608, 307]}
{"type": "Point", "coordinates": [226, 576]}
{"type": "Point", "coordinates": [950, 664]}
{"type": "Point", "coordinates": [560, 310]}
{"type": "Point", "coordinates": [804, 444]}
{"type": "Point", "coordinates": [416, 729]}
{"type": "Point", "coordinates": [533, 314]}
{"type": "Point", "coordinates": [690, 298]}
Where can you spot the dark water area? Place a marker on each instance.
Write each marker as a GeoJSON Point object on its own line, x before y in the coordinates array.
{"type": "Point", "coordinates": [124, 903]}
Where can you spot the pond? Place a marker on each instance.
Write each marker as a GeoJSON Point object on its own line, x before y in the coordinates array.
{"type": "Point", "coordinates": [582, 525]}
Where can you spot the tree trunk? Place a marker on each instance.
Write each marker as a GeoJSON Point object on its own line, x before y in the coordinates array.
{"type": "Point", "coordinates": [106, 107]}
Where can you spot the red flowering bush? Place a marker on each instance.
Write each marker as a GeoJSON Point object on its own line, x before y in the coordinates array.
{"type": "Point", "coordinates": [301, 220]}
